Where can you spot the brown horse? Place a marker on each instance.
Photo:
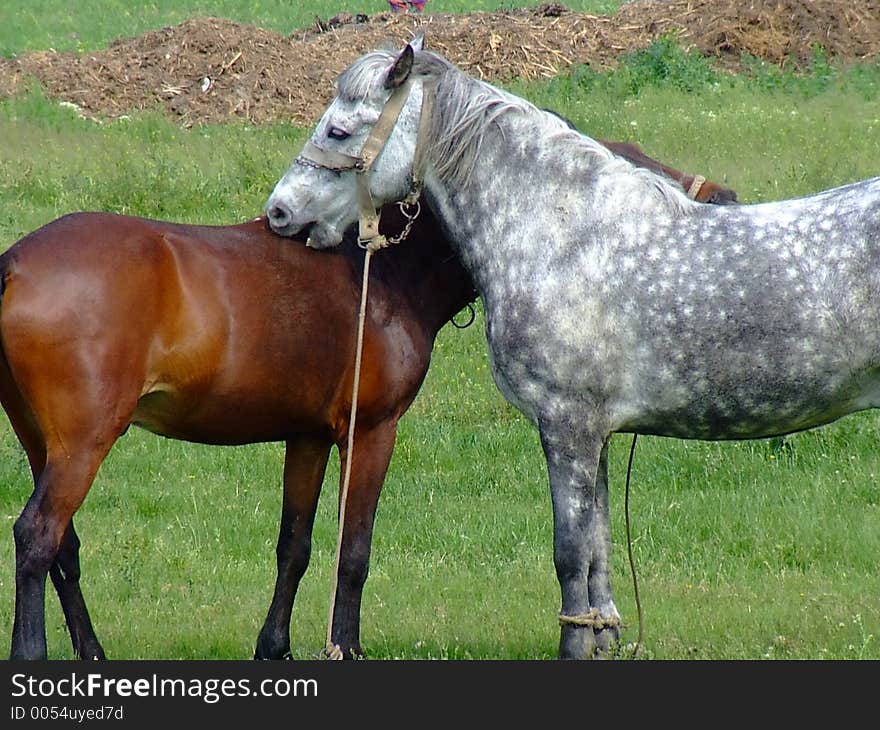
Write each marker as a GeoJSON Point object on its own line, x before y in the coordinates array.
{"type": "Point", "coordinates": [212, 335]}
{"type": "Point", "coordinates": [218, 335]}
{"type": "Point", "coordinates": [696, 186]}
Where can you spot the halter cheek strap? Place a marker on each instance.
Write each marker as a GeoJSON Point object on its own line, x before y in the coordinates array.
{"type": "Point", "coordinates": [429, 89]}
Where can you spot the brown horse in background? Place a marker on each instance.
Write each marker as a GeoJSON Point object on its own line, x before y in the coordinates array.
{"type": "Point", "coordinates": [696, 186]}
{"type": "Point", "coordinates": [218, 335]}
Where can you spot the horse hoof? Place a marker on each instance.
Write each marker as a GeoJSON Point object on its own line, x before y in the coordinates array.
{"type": "Point", "coordinates": [272, 651]}
{"type": "Point", "coordinates": [92, 653]}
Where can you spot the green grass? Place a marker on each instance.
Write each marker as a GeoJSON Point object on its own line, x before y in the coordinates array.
{"type": "Point", "coordinates": [769, 135]}
{"type": "Point", "coordinates": [27, 25]}
{"type": "Point", "coordinates": [744, 550]}
{"type": "Point", "coordinates": [52, 162]}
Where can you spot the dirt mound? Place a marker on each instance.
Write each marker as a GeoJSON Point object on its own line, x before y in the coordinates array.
{"type": "Point", "coordinates": [777, 31]}
{"type": "Point", "coordinates": [213, 70]}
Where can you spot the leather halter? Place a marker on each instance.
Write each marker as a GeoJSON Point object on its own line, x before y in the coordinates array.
{"type": "Point", "coordinates": [696, 186]}
{"type": "Point", "coordinates": [368, 214]}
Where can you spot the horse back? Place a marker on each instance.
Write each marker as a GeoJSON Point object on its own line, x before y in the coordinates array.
{"type": "Point", "coordinates": [218, 334]}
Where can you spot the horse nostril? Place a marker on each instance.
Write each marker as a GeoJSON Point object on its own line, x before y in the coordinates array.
{"type": "Point", "coordinates": [279, 215]}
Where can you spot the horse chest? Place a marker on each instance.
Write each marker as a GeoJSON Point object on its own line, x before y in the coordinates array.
{"type": "Point", "coordinates": [546, 348]}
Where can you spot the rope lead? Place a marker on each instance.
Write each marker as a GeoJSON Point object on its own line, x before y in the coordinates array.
{"type": "Point", "coordinates": [333, 651]}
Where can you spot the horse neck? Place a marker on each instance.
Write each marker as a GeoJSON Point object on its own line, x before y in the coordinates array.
{"type": "Point", "coordinates": [424, 270]}
{"type": "Point", "coordinates": [535, 199]}
{"type": "Point", "coordinates": [504, 186]}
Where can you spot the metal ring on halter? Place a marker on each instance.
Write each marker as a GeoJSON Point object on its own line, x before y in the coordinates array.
{"type": "Point", "coordinates": [410, 201]}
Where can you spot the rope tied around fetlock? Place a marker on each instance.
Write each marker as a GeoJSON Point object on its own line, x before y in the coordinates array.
{"type": "Point", "coordinates": [592, 619]}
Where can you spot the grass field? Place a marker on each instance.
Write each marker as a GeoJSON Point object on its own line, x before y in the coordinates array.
{"type": "Point", "coordinates": [744, 550]}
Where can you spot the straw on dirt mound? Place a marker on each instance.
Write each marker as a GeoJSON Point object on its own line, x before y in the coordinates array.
{"type": "Point", "coordinates": [213, 70]}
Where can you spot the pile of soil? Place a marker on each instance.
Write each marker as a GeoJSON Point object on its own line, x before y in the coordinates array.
{"type": "Point", "coordinates": [209, 70]}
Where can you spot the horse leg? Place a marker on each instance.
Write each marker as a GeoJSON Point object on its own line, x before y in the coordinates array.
{"type": "Point", "coordinates": [372, 454]}
{"type": "Point", "coordinates": [65, 571]}
{"type": "Point", "coordinates": [304, 464]}
{"type": "Point", "coordinates": [39, 534]}
{"type": "Point", "coordinates": [65, 575]}
{"type": "Point", "coordinates": [607, 630]}
{"type": "Point", "coordinates": [577, 467]}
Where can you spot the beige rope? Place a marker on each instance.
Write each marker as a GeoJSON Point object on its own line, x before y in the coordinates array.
{"type": "Point", "coordinates": [371, 240]}
{"type": "Point", "coordinates": [333, 651]}
{"type": "Point", "coordinates": [629, 551]}
{"type": "Point", "coordinates": [592, 618]}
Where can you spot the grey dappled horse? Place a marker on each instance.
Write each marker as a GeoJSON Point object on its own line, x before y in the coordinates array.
{"type": "Point", "coordinates": [613, 302]}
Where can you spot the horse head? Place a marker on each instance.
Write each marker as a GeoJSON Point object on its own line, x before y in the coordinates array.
{"type": "Point", "coordinates": [361, 154]}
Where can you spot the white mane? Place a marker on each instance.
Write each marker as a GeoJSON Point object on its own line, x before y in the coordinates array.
{"type": "Point", "coordinates": [466, 108]}
{"type": "Point", "coordinates": [360, 80]}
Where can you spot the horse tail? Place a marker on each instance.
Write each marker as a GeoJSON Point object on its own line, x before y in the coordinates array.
{"type": "Point", "coordinates": [6, 382]}
{"type": "Point", "coordinates": [5, 262]}
{"type": "Point", "coordinates": [4, 270]}
{"type": "Point", "coordinates": [13, 400]}
{"type": "Point", "coordinates": [8, 389]}
{"type": "Point", "coordinates": [5, 258]}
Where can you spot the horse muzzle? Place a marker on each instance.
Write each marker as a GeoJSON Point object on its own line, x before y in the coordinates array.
{"type": "Point", "coordinates": [280, 219]}
{"type": "Point", "coordinates": [282, 222]}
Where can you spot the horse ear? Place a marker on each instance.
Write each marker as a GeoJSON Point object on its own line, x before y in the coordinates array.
{"type": "Point", "coordinates": [400, 71]}
{"type": "Point", "coordinates": [418, 43]}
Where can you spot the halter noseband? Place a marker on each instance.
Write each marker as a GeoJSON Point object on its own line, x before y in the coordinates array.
{"type": "Point", "coordinates": [368, 214]}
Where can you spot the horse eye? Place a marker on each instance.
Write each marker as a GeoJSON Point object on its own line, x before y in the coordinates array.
{"type": "Point", "coordinates": [337, 133]}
